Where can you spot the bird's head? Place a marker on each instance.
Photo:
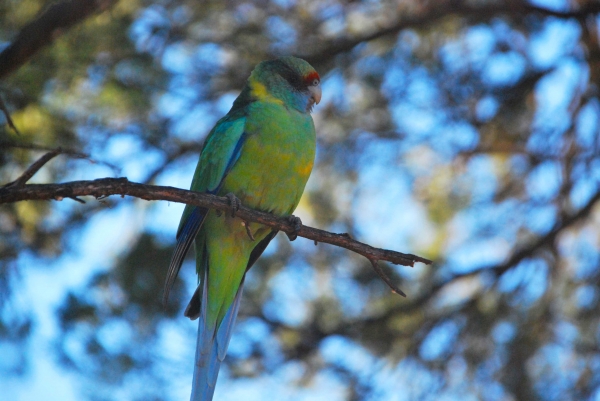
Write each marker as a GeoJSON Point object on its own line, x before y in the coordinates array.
{"type": "Point", "coordinates": [289, 79]}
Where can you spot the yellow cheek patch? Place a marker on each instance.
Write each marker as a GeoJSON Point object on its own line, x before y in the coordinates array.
{"type": "Point", "coordinates": [260, 92]}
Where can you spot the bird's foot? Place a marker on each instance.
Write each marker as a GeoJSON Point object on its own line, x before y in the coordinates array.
{"type": "Point", "coordinates": [234, 202]}
{"type": "Point", "coordinates": [297, 224]}
{"type": "Point", "coordinates": [248, 232]}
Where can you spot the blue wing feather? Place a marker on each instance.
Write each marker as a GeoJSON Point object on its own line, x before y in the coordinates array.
{"type": "Point", "coordinates": [192, 221]}
{"type": "Point", "coordinates": [185, 238]}
{"type": "Point", "coordinates": [235, 155]}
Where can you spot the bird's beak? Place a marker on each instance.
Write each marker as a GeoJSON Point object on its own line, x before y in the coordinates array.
{"type": "Point", "coordinates": [315, 92]}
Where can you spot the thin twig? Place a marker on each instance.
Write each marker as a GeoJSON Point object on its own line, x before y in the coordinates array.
{"type": "Point", "coordinates": [34, 168]}
{"type": "Point", "coordinates": [34, 146]}
{"type": "Point", "coordinates": [65, 151]}
{"type": "Point", "coordinates": [386, 278]}
{"type": "Point", "coordinates": [76, 199]}
{"type": "Point", "coordinates": [182, 149]}
{"type": "Point", "coordinates": [9, 120]}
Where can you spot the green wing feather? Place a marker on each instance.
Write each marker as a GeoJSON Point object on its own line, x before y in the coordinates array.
{"type": "Point", "coordinates": [221, 149]}
{"type": "Point", "coordinates": [217, 155]}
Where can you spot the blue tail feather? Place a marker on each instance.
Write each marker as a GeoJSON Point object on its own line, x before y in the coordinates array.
{"type": "Point", "coordinates": [226, 328]}
{"type": "Point", "coordinates": [212, 344]}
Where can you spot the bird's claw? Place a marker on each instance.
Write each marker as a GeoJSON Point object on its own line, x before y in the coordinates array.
{"type": "Point", "coordinates": [234, 202]}
{"type": "Point", "coordinates": [248, 232]}
{"type": "Point", "coordinates": [297, 224]}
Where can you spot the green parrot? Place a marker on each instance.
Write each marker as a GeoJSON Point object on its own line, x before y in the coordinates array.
{"type": "Point", "coordinates": [260, 154]}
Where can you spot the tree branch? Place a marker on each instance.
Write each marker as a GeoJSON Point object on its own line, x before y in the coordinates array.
{"type": "Point", "coordinates": [104, 187]}
{"type": "Point", "coordinates": [45, 28]}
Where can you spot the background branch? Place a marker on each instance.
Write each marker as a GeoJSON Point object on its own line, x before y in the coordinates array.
{"type": "Point", "coordinates": [434, 13]}
{"type": "Point", "coordinates": [60, 150]}
{"type": "Point", "coordinates": [6, 113]}
{"type": "Point", "coordinates": [45, 28]}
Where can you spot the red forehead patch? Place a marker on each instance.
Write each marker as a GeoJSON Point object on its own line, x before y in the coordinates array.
{"type": "Point", "coordinates": [309, 78]}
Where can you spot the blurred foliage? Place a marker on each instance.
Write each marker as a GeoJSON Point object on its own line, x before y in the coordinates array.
{"type": "Point", "coordinates": [466, 132]}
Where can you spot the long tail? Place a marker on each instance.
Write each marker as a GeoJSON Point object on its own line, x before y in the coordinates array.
{"type": "Point", "coordinates": [212, 345]}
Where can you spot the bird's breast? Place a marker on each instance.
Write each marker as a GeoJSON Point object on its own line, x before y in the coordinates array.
{"type": "Point", "coordinates": [276, 160]}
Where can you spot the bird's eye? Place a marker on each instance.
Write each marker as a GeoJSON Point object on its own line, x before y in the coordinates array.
{"type": "Point", "coordinates": [315, 82]}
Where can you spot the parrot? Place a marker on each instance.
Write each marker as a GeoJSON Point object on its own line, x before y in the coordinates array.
{"type": "Point", "coordinates": [260, 154]}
